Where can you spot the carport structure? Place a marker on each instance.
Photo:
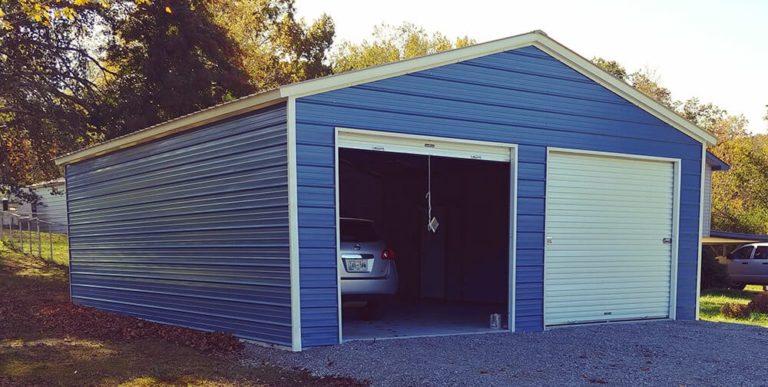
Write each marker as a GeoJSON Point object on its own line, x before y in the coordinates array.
{"type": "Point", "coordinates": [226, 219]}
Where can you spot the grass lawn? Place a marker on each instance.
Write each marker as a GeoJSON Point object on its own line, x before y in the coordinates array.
{"type": "Point", "coordinates": [40, 347]}
{"type": "Point", "coordinates": [712, 300]}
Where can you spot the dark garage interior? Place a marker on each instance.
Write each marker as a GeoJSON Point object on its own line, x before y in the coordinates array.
{"type": "Point", "coordinates": [450, 280]}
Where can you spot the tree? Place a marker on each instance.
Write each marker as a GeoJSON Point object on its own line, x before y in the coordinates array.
{"type": "Point", "coordinates": [392, 43]}
{"type": "Point", "coordinates": [80, 71]}
{"type": "Point", "coordinates": [277, 48]}
{"type": "Point", "coordinates": [647, 82]}
{"type": "Point", "coordinates": [765, 117]}
{"type": "Point", "coordinates": [45, 87]}
{"type": "Point", "coordinates": [644, 80]}
{"type": "Point", "coordinates": [714, 119]}
{"type": "Point", "coordinates": [18, 13]}
{"type": "Point", "coordinates": [740, 195]}
{"type": "Point", "coordinates": [612, 67]}
{"type": "Point", "coordinates": [168, 61]}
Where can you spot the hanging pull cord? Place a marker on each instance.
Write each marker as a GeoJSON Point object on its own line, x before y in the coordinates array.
{"type": "Point", "coordinates": [432, 222]}
{"type": "Point", "coordinates": [429, 191]}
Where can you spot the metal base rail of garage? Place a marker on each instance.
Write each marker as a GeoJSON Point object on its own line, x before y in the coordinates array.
{"type": "Point", "coordinates": [24, 233]}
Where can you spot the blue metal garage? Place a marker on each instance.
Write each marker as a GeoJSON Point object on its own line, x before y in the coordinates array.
{"type": "Point", "coordinates": [226, 219]}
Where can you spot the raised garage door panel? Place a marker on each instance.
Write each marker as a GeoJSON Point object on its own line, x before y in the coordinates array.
{"type": "Point", "coordinates": [381, 142]}
{"type": "Point", "coordinates": [606, 221]}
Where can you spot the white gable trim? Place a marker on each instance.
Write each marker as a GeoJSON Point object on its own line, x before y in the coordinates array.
{"type": "Point", "coordinates": [371, 74]}
{"type": "Point", "coordinates": [590, 70]}
{"type": "Point", "coordinates": [389, 70]}
{"type": "Point", "coordinates": [537, 39]}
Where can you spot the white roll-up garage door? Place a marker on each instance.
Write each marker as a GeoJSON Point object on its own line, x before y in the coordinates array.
{"type": "Point", "coordinates": [609, 226]}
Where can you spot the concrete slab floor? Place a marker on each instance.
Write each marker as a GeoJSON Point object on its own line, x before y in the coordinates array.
{"type": "Point", "coordinates": [413, 319]}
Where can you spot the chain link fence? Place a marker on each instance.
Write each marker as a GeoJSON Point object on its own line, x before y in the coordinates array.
{"type": "Point", "coordinates": [30, 235]}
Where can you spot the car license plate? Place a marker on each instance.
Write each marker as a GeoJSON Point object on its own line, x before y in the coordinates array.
{"type": "Point", "coordinates": [357, 265]}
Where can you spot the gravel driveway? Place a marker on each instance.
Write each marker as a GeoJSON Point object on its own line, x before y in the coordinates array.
{"type": "Point", "coordinates": [652, 353]}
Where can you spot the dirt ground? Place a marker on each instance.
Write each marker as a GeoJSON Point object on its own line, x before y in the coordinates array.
{"type": "Point", "coordinates": [45, 340]}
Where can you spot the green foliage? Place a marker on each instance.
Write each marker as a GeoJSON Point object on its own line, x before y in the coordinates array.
{"type": "Point", "coordinates": [644, 80]}
{"type": "Point", "coordinates": [76, 72]}
{"type": "Point", "coordinates": [714, 119]}
{"type": "Point", "coordinates": [647, 82]}
{"type": "Point", "coordinates": [612, 67]}
{"type": "Point", "coordinates": [765, 117]}
{"type": "Point", "coordinates": [740, 195]}
{"type": "Point", "coordinates": [392, 43]}
{"type": "Point", "coordinates": [168, 61]}
{"type": "Point", "coordinates": [45, 89]}
{"type": "Point", "coordinates": [276, 47]}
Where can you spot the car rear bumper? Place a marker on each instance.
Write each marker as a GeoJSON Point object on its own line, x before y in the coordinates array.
{"type": "Point", "coordinates": [365, 286]}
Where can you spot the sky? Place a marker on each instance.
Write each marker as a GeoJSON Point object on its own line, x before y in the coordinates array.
{"type": "Point", "coordinates": [714, 50]}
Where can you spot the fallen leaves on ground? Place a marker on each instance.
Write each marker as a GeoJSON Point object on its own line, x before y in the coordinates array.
{"type": "Point", "coordinates": [74, 319]}
{"type": "Point", "coordinates": [47, 340]}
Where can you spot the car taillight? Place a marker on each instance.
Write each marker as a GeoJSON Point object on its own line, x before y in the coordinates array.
{"type": "Point", "coordinates": [388, 254]}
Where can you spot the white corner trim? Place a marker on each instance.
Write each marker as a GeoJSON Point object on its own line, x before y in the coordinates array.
{"type": "Point", "coordinates": [338, 232]}
{"type": "Point", "coordinates": [547, 174]}
{"type": "Point", "coordinates": [701, 227]}
{"type": "Point", "coordinates": [293, 227]}
{"type": "Point", "coordinates": [675, 264]}
{"type": "Point", "coordinates": [512, 270]}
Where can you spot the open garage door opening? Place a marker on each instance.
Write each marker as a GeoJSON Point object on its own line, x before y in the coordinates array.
{"type": "Point", "coordinates": [399, 278]}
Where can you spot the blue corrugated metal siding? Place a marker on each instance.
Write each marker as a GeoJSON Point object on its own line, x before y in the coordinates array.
{"type": "Point", "coordinates": [189, 230]}
{"type": "Point", "coordinates": [520, 97]}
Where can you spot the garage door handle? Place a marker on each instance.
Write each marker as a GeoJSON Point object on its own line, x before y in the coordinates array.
{"type": "Point", "coordinates": [745, 263]}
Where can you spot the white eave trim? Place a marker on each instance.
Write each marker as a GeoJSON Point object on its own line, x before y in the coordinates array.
{"type": "Point", "coordinates": [371, 74]}
{"type": "Point", "coordinates": [187, 122]}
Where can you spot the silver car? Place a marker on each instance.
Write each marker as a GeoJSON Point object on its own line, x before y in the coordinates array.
{"type": "Point", "coordinates": [368, 265]}
{"type": "Point", "coordinates": [748, 265]}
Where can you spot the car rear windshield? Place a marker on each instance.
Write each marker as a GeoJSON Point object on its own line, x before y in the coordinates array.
{"type": "Point", "coordinates": [357, 231]}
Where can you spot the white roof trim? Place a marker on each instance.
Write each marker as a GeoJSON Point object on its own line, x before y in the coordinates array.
{"type": "Point", "coordinates": [352, 78]}
{"type": "Point", "coordinates": [176, 125]}
{"type": "Point", "coordinates": [375, 73]}
{"type": "Point", "coordinates": [536, 38]}
{"type": "Point", "coordinates": [50, 183]}
{"type": "Point", "coordinates": [590, 70]}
